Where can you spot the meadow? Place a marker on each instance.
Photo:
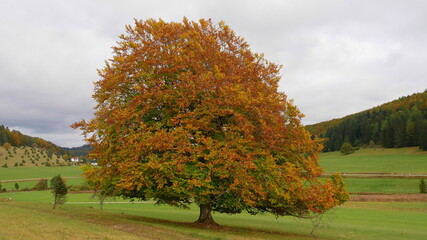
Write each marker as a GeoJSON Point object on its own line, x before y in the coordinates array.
{"type": "Point", "coordinates": [38, 172]}
{"type": "Point", "coordinates": [30, 184]}
{"type": "Point", "coordinates": [408, 160]}
{"type": "Point", "coordinates": [371, 160]}
{"type": "Point", "coordinates": [376, 160]}
{"type": "Point", "coordinates": [27, 177]}
{"type": "Point", "coordinates": [381, 185]}
{"type": "Point", "coordinates": [124, 220]}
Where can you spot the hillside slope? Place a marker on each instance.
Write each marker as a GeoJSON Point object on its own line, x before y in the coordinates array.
{"type": "Point", "coordinates": [25, 156]}
{"type": "Point", "coordinates": [17, 139]}
{"type": "Point", "coordinates": [399, 123]}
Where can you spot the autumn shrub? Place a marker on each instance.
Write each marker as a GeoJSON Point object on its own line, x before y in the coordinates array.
{"type": "Point", "coordinates": [42, 184]}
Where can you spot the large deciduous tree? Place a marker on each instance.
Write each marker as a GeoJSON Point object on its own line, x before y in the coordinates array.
{"type": "Point", "coordinates": [187, 113]}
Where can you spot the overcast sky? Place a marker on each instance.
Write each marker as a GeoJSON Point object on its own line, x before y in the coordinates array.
{"type": "Point", "coordinates": [338, 57]}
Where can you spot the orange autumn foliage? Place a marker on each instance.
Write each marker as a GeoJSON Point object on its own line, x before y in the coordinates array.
{"type": "Point", "coordinates": [187, 113]}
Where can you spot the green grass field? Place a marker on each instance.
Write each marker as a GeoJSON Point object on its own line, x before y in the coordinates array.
{"type": "Point", "coordinates": [353, 220]}
{"type": "Point", "coordinates": [46, 197]}
{"type": "Point", "coordinates": [376, 160]}
{"type": "Point", "coordinates": [19, 173]}
{"type": "Point", "coordinates": [38, 172]}
{"type": "Point", "coordinates": [81, 218]}
{"type": "Point", "coordinates": [364, 160]}
{"type": "Point", "coordinates": [30, 184]}
{"type": "Point", "coordinates": [381, 185]}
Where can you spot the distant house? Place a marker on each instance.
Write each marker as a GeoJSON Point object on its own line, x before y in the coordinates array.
{"type": "Point", "coordinates": [75, 159]}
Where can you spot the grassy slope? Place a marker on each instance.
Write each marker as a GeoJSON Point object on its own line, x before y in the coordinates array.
{"type": "Point", "coordinates": [351, 221]}
{"type": "Point", "coordinates": [28, 156]}
{"type": "Point", "coordinates": [38, 221]}
{"type": "Point", "coordinates": [376, 160]}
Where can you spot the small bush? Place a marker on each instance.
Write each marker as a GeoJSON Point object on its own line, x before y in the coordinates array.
{"type": "Point", "coordinates": [41, 185]}
{"type": "Point", "coordinates": [346, 148]}
{"type": "Point", "coordinates": [80, 187]}
{"type": "Point", "coordinates": [422, 186]}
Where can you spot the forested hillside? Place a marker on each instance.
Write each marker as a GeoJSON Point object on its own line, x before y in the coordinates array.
{"type": "Point", "coordinates": [17, 139]}
{"type": "Point", "coordinates": [82, 151]}
{"type": "Point", "coordinates": [400, 123]}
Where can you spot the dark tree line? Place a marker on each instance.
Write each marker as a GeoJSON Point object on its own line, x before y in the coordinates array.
{"type": "Point", "coordinates": [401, 123]}
{"type": "Point", "coordinates": [82, 151]}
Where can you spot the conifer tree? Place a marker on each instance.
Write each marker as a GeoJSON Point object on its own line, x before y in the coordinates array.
{"type": "Point", "coordinates": [422, 186]}
{"type": "Point", "coordinates": [59, 190]}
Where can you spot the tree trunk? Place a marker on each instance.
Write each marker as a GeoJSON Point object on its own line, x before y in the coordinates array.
{"type": "Point", "coordinates": [205, 217]}
{"type": "Point", "coordinates": [54, 202]}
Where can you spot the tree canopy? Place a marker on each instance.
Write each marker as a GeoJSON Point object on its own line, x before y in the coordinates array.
{"type": "Point", "coordinates": [187, 113]}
